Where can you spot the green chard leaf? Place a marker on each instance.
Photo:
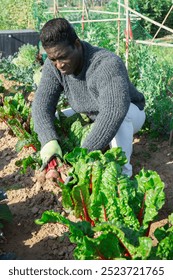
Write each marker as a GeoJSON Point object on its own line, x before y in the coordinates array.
{"type": "Point", "coordinates": [81, 200]}
{"type": "Point", "coordinates": [67, 200]}
{"type": "Point", "coordinates": [150, 184]}
{"type": "Point", "coordinates": [103, 247]}
{"type": "Point", "coordinates": [50, 216]}
{"type": "Point", "coordinates": [117, 155]}
{"type": "Point", "coordinates": [77, 230]}
{"type": "Point", "coordinates": [75, 155]}
{"type": "Point", "coordinates": [97, 210]}
{"type": "Point", "coordinates": [165, 247]}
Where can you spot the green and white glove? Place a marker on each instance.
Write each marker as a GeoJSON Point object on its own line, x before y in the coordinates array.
{"type": "Point", "coordinates": [50, 150]}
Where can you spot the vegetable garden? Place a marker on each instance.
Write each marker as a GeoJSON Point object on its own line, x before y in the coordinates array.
{"type": "Point", "coordinates": [101, 213]}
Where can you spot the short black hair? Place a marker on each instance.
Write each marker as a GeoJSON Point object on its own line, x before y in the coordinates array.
{"type": "Point", "coordinates": [56, 31]}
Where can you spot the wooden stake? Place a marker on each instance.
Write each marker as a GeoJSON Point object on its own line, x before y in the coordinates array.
{"type": "Point", "coordinates": [153, 43]}
{"type": "Point", "coordinates": [162, 23]}
{"type": "Point", "coordinates": [118, 39]}
{"type": "Point", "coordinates": [148, 19]}
{"type": "Point", "coordinates": [127, 31]}
{"type": "Point", "coordinates": [98, 20]}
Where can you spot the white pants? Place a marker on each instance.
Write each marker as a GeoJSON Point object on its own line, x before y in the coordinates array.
{"type": "Point", "coordinates": [131, 124]}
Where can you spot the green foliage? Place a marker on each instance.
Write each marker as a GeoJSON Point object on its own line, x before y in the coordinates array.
{"type": "Point", "coordinates": [72, 130]}
{"type": "Point", "coordinates": [15, 107]}
{"type": "Point", "coordinates": [101, 34]}
{"type": "Point", "coordinates": [32, 161]}
{"type": "Point", "coordinates": [116, 211]}
{"type": "Point", "coordinates": [37, 75]}
{"type": "Point", "coordinates": [26, 56]}
{"type": "Point", "coordinates": [16, 14]}
{"type": "Point", "coordinates": [155, 10]}
{"type": "Point", "coordinates": [150, 69]}
{"type": "Point", "coordinates": [153, 77]}
{"type": "Point", "coordinates": [39, 13]}
{"type": "Point", "coordinates": [165, 237]}
{"type": "Point", "coordinates": [26, 14]}
{"type": "Point", "coordinates": [21, 75]}
{"type": "Point", "coordinates": [23, 68]}
{"type": "Point", "coordinates": [164, 55]}
{"type": "Point", "coordinates": [17, 115]}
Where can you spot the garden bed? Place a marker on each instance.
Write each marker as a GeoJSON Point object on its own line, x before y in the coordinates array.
{"type": "Point", "coordinates": [28, 198]}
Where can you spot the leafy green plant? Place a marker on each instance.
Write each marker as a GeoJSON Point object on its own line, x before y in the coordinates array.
{"type": "Point", "coordinates": [23, 77]}
{"type": "Point", "coordinates": [16, 14]}
{"type": "Point", "coordinates": [37, 75]}
{"type": "Point", "coordinates": [26, 56]}
{"type": "Point", "coordinates": [154, 11]}
{"type": "Point", "coordinates": [116, 211]}
{"type": "Point", "coordinates": [16, 114]}
{"type": "Point", "coordinates": [164, 236]}
{"type": "Point", "coordinates": [153, 79]}
{"type": "Point", "coordinates": [22, 67]}
{"type": "Point", "coordinates": [39, 13]}
{"type": "Point", "coordinates": [71, 131]}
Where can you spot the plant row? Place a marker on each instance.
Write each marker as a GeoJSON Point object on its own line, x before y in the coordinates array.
{"type": "Point", "coordinates": [115, 212]}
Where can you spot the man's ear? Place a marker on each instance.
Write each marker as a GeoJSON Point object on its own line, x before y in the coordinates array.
{"type": "Point", "coordinates": [77, 43]}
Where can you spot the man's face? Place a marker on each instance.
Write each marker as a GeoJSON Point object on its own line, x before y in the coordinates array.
{"type": "Point", "coordinates": [66, 58]}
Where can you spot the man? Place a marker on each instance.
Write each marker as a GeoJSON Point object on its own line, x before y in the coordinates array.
{"type": "Point", "coordinates": [95, 82]}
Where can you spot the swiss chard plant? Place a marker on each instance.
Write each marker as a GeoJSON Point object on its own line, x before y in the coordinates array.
{"type": "Point", "coordinates": [72, 131]}
{"type": "Point", "coordinates": [16, 113]}
{"type": "Point", "coordinates": [115, 212]}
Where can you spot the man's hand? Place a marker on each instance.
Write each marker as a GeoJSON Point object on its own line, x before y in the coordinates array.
{"type": "Point", "coordinates": [49, 151]}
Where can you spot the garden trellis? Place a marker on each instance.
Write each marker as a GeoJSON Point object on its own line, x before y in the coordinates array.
{"type": "Point", "coordinates": [124, 17]}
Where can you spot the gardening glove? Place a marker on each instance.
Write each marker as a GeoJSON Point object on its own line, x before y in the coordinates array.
{"type": "Point", "coordinates": [49, 151]}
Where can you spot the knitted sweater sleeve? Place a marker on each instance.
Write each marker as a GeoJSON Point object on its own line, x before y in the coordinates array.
{"type": "Point", "coordinates": [114, 100]}
{"type": "Point", "coordinates": [45, 102]}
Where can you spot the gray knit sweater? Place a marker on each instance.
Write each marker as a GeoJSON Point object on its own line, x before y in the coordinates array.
{"type": "Point", "coordinates": [102, 91]}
